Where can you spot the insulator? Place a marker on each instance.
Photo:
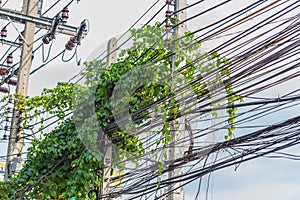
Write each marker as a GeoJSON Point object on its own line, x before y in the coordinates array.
{"type": "Point", "coordinates": [65, 14]}
{"type": "Point", "coordinates": [3, 71]}
{"type": "Point", "coordinates": [51, 34]}
{"type": "Point", "coordinates": [169, 14]}
{"type": "Point", "coordinates": [4, 90]}
{"type": "Point", "coordinates": [46, 39]}
{"type": "Point", "coordinates": [4, 137]}
{"type": "Point", "coordinates": [69, 47]}
{"type": "Point", "coordinates": [21, 37]}
{"type": "Point", "coordinates": [9, 59]}
{"type": "Point", "coordinates": [71, 43]}
{"type": "Point", "coordinates": [7, 119]}
{"type": "Point", "coordinates": [4, 32]}
{"type": "Point", "coordinates": [12, 82]}
{"type": "Point", "coordinates": [73, 40]}
{"type": "Point", "coordinates": [169, 2]}
{"type": "Point", "coordinates": [169, 27]}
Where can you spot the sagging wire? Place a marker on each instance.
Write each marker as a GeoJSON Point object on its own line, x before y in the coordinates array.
{"type": "Point", "coordinates": [71, 58]}
{"type": "Point", "coordinates": [43, 65]}
{"type": "Point", "coordinates": [45, 59]}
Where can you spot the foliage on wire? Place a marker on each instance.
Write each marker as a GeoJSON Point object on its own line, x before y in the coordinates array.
{"type": "Point", "coordinates": [59, 166]}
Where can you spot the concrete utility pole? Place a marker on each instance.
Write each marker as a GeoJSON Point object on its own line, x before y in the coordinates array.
{"type": "Point", "coordinates": [179, 134]}
{"type": "Point", "coordinates": [105, 187]}
{"type": "Point", "coordinates": [28, 16]}
{"type": "Point", "coordinates": [16, 141]}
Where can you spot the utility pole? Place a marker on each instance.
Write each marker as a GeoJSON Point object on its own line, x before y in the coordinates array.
{"type": "Point", "coordinates": [177, 131]}
{"type": "Point", "coordinates": [105, 186]}
{"type": "Point", "coordinates": [28, 16]}
{"type": "Point", "coordinates": [16, 141]}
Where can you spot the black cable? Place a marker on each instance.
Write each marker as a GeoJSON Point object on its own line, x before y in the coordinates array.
{"type": "Point", "coordinates": [71, 58]}
{"type": "Point", "coordinates": [43, 52]}
{"type": "Point", "coordinates": [43, 65]}
{"type": "Point", "coordinates": [50, 7]}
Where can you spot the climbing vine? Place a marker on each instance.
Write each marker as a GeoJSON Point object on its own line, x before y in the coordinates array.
{"type": "Point", "coordinates": [58, 165]}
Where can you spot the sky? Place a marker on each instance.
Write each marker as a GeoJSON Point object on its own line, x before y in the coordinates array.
{"type": "Point", "coordinates": [261, 179]}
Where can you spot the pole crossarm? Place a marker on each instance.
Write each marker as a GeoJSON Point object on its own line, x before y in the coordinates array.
{"type": "Point", "coordinates": [41, 22]}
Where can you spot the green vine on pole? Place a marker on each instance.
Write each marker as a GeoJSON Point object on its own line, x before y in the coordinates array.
{"type": "Point", "coordinates": [58, 165]}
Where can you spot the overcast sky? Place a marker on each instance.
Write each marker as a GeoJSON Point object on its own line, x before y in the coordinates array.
{"type": "Point", "coordinates": [260, 179]}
